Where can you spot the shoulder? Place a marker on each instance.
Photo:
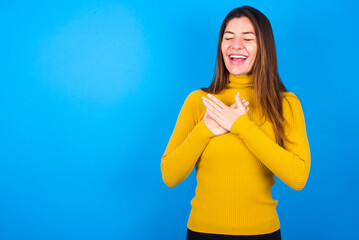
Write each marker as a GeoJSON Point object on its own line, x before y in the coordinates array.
{"type": "Point", "coordinates": [291, 105]}
{"type": "Point", "coordinates": [193, 100]}
{"type": "Point", "coordinates": [199, 93]}
{"type": "Point", "coordinates": [195, 96]}
{"type": "Point", "coordinates": [192, 105]}
{"type": "Point", "coordinates": [289, 95]}
{"type": "Point", "coordinates": [290, 99]}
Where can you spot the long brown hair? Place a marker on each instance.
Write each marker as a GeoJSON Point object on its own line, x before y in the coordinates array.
{"type": "Point", "coordinates": [267, 83]}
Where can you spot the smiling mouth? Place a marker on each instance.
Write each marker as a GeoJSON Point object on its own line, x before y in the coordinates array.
{"type": "Point", "coordinates": [237, 59]}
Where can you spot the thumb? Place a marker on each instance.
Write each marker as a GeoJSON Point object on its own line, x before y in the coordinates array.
{"type": "Point", "coordinates": [238, 99]}
{"type": "Point", "coordinates": [239, 102]}
{"type": "Point", "coordinates": [234, 105]}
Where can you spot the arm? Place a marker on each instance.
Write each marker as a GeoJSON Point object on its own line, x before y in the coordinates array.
{"type": "Point", "coordinates": [186, 144]}
{"type": "Point", "coordinates": [291, 164]}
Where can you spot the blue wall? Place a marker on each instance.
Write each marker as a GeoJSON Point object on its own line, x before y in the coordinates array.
{"type": "Point", "coordinates": [90, 92]}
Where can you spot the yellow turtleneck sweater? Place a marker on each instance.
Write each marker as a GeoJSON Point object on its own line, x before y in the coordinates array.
{"type": "Point", "coordinates": [235, 171]}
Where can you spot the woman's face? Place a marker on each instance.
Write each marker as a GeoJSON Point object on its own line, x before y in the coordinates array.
{"type": "Point", "coordinates": [239, 46]}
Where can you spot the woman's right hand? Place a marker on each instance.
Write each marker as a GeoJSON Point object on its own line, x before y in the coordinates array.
{"type": "Point", "coordinates": [213, 126]}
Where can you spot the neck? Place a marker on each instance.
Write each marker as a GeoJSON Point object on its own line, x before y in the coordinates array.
{"type": "Point", "coordinates": [240, 81]}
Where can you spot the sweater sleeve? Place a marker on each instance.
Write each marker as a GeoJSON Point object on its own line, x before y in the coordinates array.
{"type": "Point", "coordinates": [188, 140]}
{"type": "Point", "coordinates": [291, 164]}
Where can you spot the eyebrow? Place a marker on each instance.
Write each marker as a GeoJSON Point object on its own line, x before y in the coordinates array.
{"type": "Point", "coordinates": [242, 32]}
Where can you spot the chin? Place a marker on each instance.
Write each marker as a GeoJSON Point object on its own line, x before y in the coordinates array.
{"type": "Point", "coordinates": [238, 72]}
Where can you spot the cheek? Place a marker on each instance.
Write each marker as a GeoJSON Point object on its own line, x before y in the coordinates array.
{"type": "Point", "coordinates": [223, 49]}
{"type": "Point", "coordinates": [252, 49]}
{"type": "Point", "coordinates": [224, 57]}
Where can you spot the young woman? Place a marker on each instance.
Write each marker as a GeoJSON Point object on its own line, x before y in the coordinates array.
{"type": "Point", "coordinates": [239, 132]}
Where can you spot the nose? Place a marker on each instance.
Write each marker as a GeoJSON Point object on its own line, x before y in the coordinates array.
{"type": "Point", "coordinates": [237, 44]}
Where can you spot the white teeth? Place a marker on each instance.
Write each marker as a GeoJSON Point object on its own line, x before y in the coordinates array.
{"type": "Point", "coordinates": [233, 56]}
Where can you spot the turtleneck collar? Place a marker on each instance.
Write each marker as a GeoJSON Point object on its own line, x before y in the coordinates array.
{"type": "Point", "coordinates": [240, 81]}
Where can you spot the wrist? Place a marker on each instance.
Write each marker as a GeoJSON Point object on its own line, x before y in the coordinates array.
{"type": "Point", "coordinates": [240, 125]}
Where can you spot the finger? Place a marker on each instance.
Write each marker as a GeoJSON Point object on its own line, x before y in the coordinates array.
{"type": "Point", "coordinates": [213, 115]}
{"type": "Point", "coordinates": [213, 109]}
{"type": "Point", "coordinates": [238, 100]}
{"type": "Point", "coordinates": [234, 106]}
{"type": "Point", "coordinates": [217, 101]}
{"type": "Point", "coordinates": [211, 105]}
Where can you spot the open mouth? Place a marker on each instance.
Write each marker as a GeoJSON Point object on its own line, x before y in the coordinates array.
{"type": "Point", "coordinates": [237, 59]}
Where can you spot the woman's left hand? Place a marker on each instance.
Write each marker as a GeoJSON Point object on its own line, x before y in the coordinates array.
{"type": "Point", "coordinates": [221, 113]}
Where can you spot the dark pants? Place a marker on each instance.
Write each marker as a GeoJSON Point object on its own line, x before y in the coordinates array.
{"type": "Point", "coordinates": [191, 235]}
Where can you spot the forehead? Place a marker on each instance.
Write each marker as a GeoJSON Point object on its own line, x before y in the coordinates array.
{"type": "Point", "coordinates": [240, 25]}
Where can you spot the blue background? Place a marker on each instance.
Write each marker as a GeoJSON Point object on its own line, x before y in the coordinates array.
{"type": "Point", "coordinates": [91, 90]}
